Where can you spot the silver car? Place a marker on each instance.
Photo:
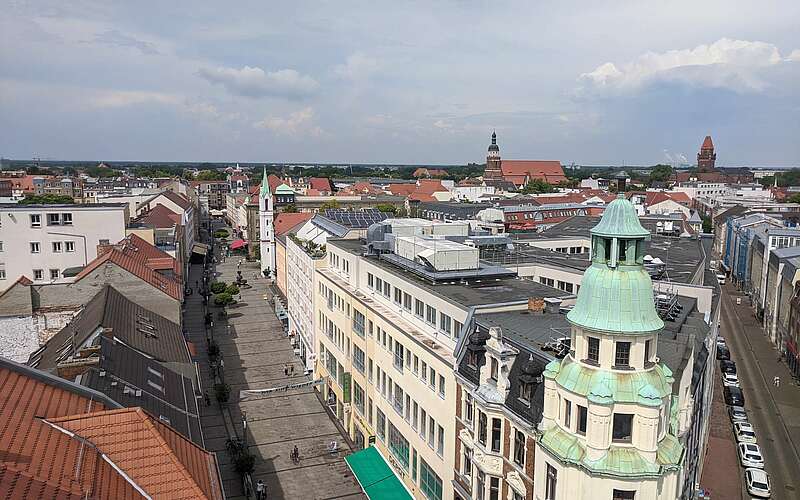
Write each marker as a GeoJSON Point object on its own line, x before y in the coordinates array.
{"type": "Point", "coordinates": [757, 483]}
{"type": "Point", "coordinates": [750, 455]}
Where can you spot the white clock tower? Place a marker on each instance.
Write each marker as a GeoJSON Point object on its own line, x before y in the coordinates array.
{"type": "Point", "coordinates": [266, 215]}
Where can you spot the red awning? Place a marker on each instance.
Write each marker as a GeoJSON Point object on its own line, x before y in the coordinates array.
{"type": "Point", "coordinates": [238, 244]}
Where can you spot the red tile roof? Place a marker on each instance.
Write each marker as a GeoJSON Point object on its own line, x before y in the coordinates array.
{"type": "Point", "coordinates": [707, 143]}
{"type": "Point", "coordinates": [141, 259]}
{"type": "Point", "coordinates": [399, 189]}
{"type": "Point", "coordinates": [274, 182]}
{"type": "Point", "coordinates": [320, 184]}
{"type": "Point", "coordinates": [111, 452]}
{"type": "Point", "coordinates": [157, 458]}
{"type": "Point", "coordinates": [421, 197]}
{"type": "Point", "coordinates": [160, 217]}
{"type": "Point", "coordinates": [313, 192]}
{"type": "Point", "coordinates": [284, 222]}
{"type": "Point", "coordinates": [547, 170]}
{"type": "Point", "coordinates": [174, 197]}
{"type": "Point", "coordinates": [656, 197]}
{"type": "Point", "coordinates": [429, 186]}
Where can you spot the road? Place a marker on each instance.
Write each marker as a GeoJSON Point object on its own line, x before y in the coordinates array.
{"type": "Point", "coordinates": [773, 411]}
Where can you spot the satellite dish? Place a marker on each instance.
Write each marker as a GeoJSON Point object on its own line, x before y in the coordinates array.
{"type": "Point", "coordinates": [648, 258]}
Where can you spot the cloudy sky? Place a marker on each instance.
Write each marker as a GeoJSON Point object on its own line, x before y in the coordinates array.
{"type": "Point", "coordinates": [600, 82]}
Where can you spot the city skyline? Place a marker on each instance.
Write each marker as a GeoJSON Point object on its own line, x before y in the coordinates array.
{"type": "Point", "coordinates": [602, 84]}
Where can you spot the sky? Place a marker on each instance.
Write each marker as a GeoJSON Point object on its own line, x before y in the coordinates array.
{"type": "Point", "coordinates": [590, 82]}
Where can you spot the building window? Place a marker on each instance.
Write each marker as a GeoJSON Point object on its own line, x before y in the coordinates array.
{"type": "Point", "coordinates": [54, 274]}
{"type": "Point", "coordinates": [358, 398]}
{"type": "Point", "coordinates": [466, 465]}
{"type": "Point", "coordinates": [519, 448]}
{"type": "Point", "coordinates": [380, 423]}
{"type": "Point", "coordinates": [445, 323]}
{"type": "Point", "coordinates": [35, 247]}
{"type": "Point", "coordinates": [414, 466]}
{"type": "Point", "coordinates": [623, 495]}
{"type": "Point", "coordinates": [468, 407]}
{"type": "Point", "coordinates": [406, 301]}
{"type": "Point", "coordinates": [358, 322]}
{"type": "Point", "coordinates": [623, 425]}
{"type": "Point", "coordinates": [582, 414]}
{"type": "Point", "coordinates": [38, 274]}
{"type": "Point", "coordinates": [480, 485]}
{"type": "Point", "coordinates": [2, 274]}
{"type": "Point", "coordinates": [414, 416]}
{"type": "Point", "coordinates": [440, 441]}
{"type": "Point", "coordinates": [53, 219]}
{"type": "Point", "coordinates": [398, 296]}
{"type": "Point", "coordinates": [494, 488]}
{"type": "Point", "coordinates": [550, 483]}
{"type": "Point", "coordinates": [525, 392]}
{"type": "Point", "coordinates": [430, 315]}
{"type": "Point", "coordinates": [424, 371]}
{"type": "Point", "coordinates": [378, 285]}
{"type": "Point", "coordinates": [370, 280]}
{"type": "Point", "coordinates": [1, 246]}
{"type": "Point", "coordinates": [429, 482]}
{"type": "Point", "coordinates": [431, 431]}
{"type": "Point", "coordinates": [57, 247]}
{"type": "Point", "coordinates": [494, 369]}
{"type": "Point", "coordinates": [567, 413]}
{"type": "Point", "coordinates": [398, 445]}
{"type": "Point", "coordinates": [358, 359]}
{"type": "Point", "coordinates": [622, 355]}
{"type": "Point", "coordinates": [387, 289]}
{"type": "Point", "coordinates": [482, 428]}
{"type": "Point", "coordinates": [647, 351]}
{"type": "Point", "coordinates": [36, 220]}
{"type": "Point", "coordinates": [472, 359]}
{"type": "Point", "coordinates": [497, 425]}
{"type": "Point", "coordinates": [398, 355]}
{"type": "Point", "coordinates": [593, 349]}
{"type": "Point", "coordinates": [423, 419]}
{"type": "Point", "coordinates": [441, 387]}
{"type": "Point", "coordinates": [66, 219]}
{"type": "Point", "coordinates": [398, 399]}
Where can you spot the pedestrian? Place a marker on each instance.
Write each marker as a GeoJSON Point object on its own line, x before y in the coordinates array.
{"type": "Point", "coordinates": [291, 370]}
{"type": "Point", "coordinates": [261, 490]}
{"type": "Point", "coordinates": [777, 381]}
{"type": "Point", "coordinates": [286, 369]}
{"type": "Point", "coordinates": [196, 283]}
{"type": "Point", "coordinates": [295, 454]}
{"type": "Point", "coordinates": [207, 398]}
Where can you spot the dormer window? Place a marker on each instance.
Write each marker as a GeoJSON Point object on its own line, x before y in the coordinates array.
{"type": "Point", "coordinates": [472, 359]}
{"type": "Point", "coordinates": [525, 393]}
{"type": "Point", "coordinates": [494, 369]}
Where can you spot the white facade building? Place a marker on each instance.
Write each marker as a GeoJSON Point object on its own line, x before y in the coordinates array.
{"type": "Point", "coordinates": [41, 241]}
{"type": "Point", "coordinates": [266, 214]}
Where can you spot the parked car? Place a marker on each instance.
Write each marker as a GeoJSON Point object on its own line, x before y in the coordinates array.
{"type": "Point", "coordinates": [721, 341]}
{"type": "Point", "coordinates": [757, 483]}
{"type": "Point", "coordinates": [744, 432]}
{"type": "Point", "coordinates": [737, 414]}
{"type": "Point", "coordinates": [750, 455]}
{"type": "Point", "coordinates": [723, 353]}
{"type": "Point", "coordinates": [727, 366]}
{"type": "Point", "coordinates": [721, 279]}
{"type": "Point", "coordinates": [733, 396]}
{"type": "Point", "coordinates": [730, 380]}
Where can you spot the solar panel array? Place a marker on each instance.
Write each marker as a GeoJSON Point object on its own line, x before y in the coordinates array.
{"type": "Point", "coordinates": [355, 219]}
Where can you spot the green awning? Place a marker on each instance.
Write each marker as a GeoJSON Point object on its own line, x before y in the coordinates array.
{"type": "Point", "coordinates": [375, 476]}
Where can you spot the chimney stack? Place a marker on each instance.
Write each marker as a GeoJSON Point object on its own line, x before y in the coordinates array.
{"type": "Point", "coordinates": [552, 305]}
{"type": "Point", "coordinates": [536, 305]}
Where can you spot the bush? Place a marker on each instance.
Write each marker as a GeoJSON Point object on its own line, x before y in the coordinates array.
{"type": "Point", "coordinates": [213, 350]}
{"type": "Point", "coordinates": [232, 289]}
{"type": "Point", "coordinates": [222, 234]}
{"type": "Point", "coordinates": [244, 463]}
{"type": "Point", "coordinates": [222, 392]}
{"type": "Point", "coordinates": [224, 299]}
{"type": "Point", "coordinates": [218, 287]}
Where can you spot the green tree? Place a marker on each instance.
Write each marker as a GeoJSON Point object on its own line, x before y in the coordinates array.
{"type": "Point", "coordinates": [537, 186]}
{"type": "Point", "coordinates": [707, 227]}
{"type": "Point", "coordinates": [211, 175]}
{"type": "Point", "coordinates": [218, 287]}
{"type": "Point", "coordinates": [386, 208]}
{"type": "Point", "coordinates": [795, 198]}
{"type": "Point", "coordinates": [332, 204]}
{"type": "Point", "coordinates": [291, 208]}
{"type": "Point", "coordinates": [224, 299]}
{"type": "Point", "coordinates": [661, 173]}
{"type": "Point", "coordinates": [232, 289]}
{"type": "Point", "coordinates": [222, 233]}
{"type": "Point", "coordinates": [46, 199]}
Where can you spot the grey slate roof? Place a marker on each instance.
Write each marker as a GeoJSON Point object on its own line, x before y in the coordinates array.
{"type": "Point", "coordinates": [134, 325]}
{"type": "Point", "coordinates": [164, 393]}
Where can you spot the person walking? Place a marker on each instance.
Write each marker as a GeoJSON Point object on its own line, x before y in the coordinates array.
{"type": "Point", "coordinates": [286, 369]}
{"type": "Point", "coordinates": [261, 490]}
{"type": "Point", "coordinates": [207, 398]}
{"type": "Point", "coordinates": [291, 370]}
{"type": "Point", "coordinates": [295, 454]}
{"type": "Point", "coordinates": [777, 381]}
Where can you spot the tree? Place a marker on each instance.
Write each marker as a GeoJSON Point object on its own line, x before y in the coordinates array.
{"type": "Point", "coordinates": [232, 289]}
{"type": "Point", "coordinates": [332, 204]}
{"type": "Point", "coordinates": [218, 287]}
{"type": "Point", "coordinates": [47, 199]}
{"type": "Point", "coordinates": [661, 173]}
{"type": "Point", "coordinates": [221, 234]}
{"type": "Point", "coordinates": [291, 208]}
{"type": "Point", "coordinates": [386, 208]}
{"type": "Point", "coordinates": [707, 227]}
{"type": "Point", "coordinates": [210, 175]}
{"type": "Point", "coordinates": [537, 186]}
{"type": "Point", "coordinates": [795, 198]}
{"type": "Point", "coordinates": [224, 299]}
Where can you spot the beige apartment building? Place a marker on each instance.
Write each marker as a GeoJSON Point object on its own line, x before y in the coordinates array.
{"type": "Point", "coordinates": [389, 315]}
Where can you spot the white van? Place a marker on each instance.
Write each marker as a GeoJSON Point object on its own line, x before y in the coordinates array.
{"type": "Point", "coordinates": [721, 279]}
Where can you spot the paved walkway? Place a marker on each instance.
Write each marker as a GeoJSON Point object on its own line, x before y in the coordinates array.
{"type": "Point", "coordinates": [773, 411]}
{"type": "Point", "coordinates": [255, 351]}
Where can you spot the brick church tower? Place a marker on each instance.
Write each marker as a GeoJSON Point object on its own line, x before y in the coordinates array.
{"type": "Point", "coordinates": [706, 158]}
{"type": "Point", "coordinates": [493, 170]}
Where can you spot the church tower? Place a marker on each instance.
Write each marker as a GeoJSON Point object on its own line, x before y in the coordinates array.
{"type": "Point", "coordinates": [706, 158]}
{"type": "Point", "coordinates": [266, 215]}
{"type": "Point", "coordinates": [606, 429]}
{"type": "Point", "coordinates": [493, 170]}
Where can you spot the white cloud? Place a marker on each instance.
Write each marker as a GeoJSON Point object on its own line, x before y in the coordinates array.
{"type": "Point", "coordinates": [299, 122]}
{"type": "Point", "coordinates": [117, 38]}
{"type": "Point", "coordinates": [733, 64]}
{"type": "Point", "coordinates": [357, 67]}
{"type": "Point", "coordinates": [124, 98]}
{"type": "Point", "coordinates": [794, 56]}
{"type": "Point", "coordinates": [255, 82]}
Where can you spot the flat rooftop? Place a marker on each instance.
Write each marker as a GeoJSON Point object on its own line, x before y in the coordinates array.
{"type": "Point", "coordinates": [684, 257]}
{"type": "Point", "coordinates": [476, 292]}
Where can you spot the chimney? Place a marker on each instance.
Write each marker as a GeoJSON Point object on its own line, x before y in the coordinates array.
{"type": "Point", "coordinates": [107, 332]}
{"type": "Point", "coordinates": [103, 248]}
{"type": "Point", "coordinates": [552, 305]}
{"type": "Point", "coordinates": [89, 351]}
{"type": "Point", "coordinates": [536, 305]}
{"type": "Point", "coordinates": [70, 369]}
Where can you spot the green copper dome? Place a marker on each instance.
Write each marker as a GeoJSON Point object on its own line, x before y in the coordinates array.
{"type": "Point", "coordinates": [264, 192]}
{"type": "Point", "coordinates": [616, 294]}
{"type": "Point", "coordinates": [620, 221]}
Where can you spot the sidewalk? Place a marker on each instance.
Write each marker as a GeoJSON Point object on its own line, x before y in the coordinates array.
{"type": "Point", "coordinates": [255, 351]}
